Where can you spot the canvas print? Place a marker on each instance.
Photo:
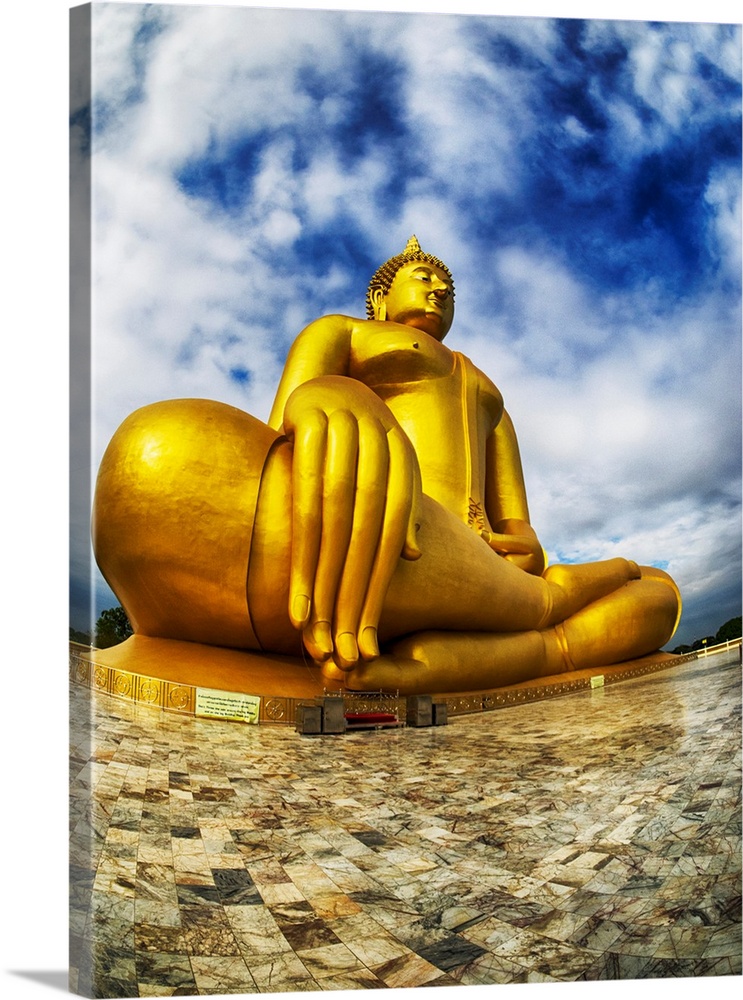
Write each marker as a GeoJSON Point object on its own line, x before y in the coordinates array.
{"type": "Point", "coordinates": [405, 528]}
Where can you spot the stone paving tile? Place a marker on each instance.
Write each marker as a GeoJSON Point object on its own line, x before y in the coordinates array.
{"type": "Point", "coordinates": [591, 837]}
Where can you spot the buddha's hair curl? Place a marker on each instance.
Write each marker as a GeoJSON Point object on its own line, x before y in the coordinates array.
{"type": "Point", "coordinates": [385, 275]}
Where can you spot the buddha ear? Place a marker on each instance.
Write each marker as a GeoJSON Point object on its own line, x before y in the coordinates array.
{"type": "Point", "coordinates": [378, 303]}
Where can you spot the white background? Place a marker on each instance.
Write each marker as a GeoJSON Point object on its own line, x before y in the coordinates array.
{"type": "Point", "coordinates": [34, 445]}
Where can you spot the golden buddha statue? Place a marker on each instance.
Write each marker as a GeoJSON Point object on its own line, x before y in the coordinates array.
{"type": "Point", "coordinates": [377, 525]}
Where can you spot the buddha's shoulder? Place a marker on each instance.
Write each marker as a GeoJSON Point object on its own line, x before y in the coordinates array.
{"type": "Point", "coordinates": [335, 326]}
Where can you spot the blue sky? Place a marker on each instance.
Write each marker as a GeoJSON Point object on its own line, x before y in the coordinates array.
{"type": "Point", "coordinates": [581, 178]}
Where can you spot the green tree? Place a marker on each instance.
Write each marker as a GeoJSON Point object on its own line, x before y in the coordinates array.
{"type": "Point", "coordinates": [112, 628]}
{"type": "Point", "coordinates": [708, 640]}
{"type": "Point", "coordinates": [77, 636]}
{"type": "Point", "coordinates": [730, 630]}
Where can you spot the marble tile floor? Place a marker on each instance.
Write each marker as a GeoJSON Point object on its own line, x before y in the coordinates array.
{"type": "Point", "coordinates": [594, 836]}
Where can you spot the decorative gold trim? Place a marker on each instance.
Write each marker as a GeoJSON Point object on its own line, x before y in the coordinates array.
{"type": "Point", "coordinates": [149, 690]}
{"type": "Point", "coordinates": [180, 698]}
{"type": "Point", "coordinates": [488, 701]}
{"type": "Point", "coordinates": [278, 710]}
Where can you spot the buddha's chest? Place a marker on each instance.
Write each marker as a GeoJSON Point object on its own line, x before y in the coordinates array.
{"type": "Point", "coordinates": [388, 354]}
{"type": "Point", "coordinates": [447, 407]}
{"type": "Point", "coordinates": [399, 361]}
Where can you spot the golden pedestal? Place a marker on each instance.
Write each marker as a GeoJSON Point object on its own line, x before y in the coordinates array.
{"type": "Point", "coordinates": [165, 674]}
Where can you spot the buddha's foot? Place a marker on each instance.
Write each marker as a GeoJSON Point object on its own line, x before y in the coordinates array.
{"type": "Point", "coordinates": [441, 662]}
{"type": "Point", "coordinates": [385, 673]}
{"type": "Point", "coordinates": [573, 586]}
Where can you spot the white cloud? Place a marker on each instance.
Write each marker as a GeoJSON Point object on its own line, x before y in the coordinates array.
{"type": "Point", "coordinates": [663, 67]}
{"type": "Point", "coordinates": [115, 26]}
{"type": "Point", "coordinates": [723, 195]}
{"type": "Point", "coordinates": [575, 130]}
{"type": "Point", "coordinates": [466, 109]}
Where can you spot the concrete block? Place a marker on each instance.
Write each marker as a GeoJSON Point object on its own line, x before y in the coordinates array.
{"type": "Point", "coordinates": [440, 713]}
{"type": "Point", "coordinates": [333, 715]}
{"type": "Point", "coordinates": [419, 710]}
{"type": "Point", "coordinates": [309, 720]}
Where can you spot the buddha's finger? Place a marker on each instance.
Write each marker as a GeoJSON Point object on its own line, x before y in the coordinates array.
{"type": "Point", "coordinates": [371, 488]}
{"type": "Point", "coordinates": [308, 465]}
{"type": "Point", "coordinates": [394, 538]}
{"type": "Point", "coordinates": [507, 544]}
{"type": "Point", "coordinates": [411, 549]}
{"type": "Point", "coordinates": [339, 484]}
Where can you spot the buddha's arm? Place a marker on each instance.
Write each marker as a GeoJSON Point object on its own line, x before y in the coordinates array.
{"type": "Point", "coordinates": [322, 348]}
{"type": "Point", "coordinates": [355, 496]}
{"type": "Point", "coordinates": [505, 501]}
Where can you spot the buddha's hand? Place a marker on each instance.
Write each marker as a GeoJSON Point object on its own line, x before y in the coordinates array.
{"type": "Point", "coordinates": [355, 508]}
{"type": "Point", "coordinates": [517, 542]}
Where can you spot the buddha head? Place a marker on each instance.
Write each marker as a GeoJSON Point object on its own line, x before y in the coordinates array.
{"type": "Point", "coordinates": [415, 289]}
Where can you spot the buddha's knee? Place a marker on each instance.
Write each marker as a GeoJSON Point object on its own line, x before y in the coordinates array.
{"type": "Point", "coordinates": [670, 598]}
{"type": "Point", "coordinates": [173, 515]}
{"type": "Point", "coordinates": [635, 621]}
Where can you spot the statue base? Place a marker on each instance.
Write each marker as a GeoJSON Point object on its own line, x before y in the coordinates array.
{"type": "Point", "coordinates": [217, 667]}
{"type": "Point", "coordinates": [167, 673]}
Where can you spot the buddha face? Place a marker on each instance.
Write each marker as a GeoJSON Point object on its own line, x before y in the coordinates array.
{"type": "Point", "coordinates": [421, 296]}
